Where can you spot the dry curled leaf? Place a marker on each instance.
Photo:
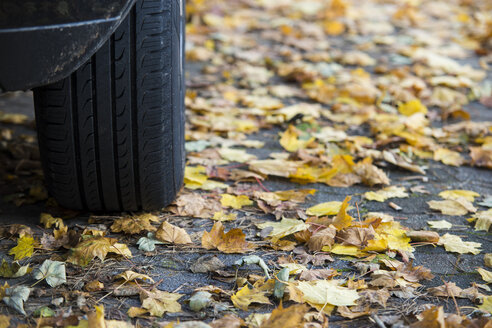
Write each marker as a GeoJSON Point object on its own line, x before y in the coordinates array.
{"type": "Point", "coordinates": [169, 233]}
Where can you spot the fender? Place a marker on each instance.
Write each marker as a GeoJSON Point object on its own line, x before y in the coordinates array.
{"type": "Point", "coordinates": [44, 41]}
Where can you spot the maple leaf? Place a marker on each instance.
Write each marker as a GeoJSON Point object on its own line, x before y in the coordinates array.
{"type": "Point", "coordinates": [234, 241]}
{"type": "Point", "coordinates": [327, 208]}
{"type": "Point", "coordinates": [385, 193]}
{"type": "Point", "coordinates": [169, 233]}
{"type": "Point", "coordinates": [355, 236]}
{"type": "Point", "coordinates": [135, 224]}
{"type": "Point", "coordinates": [370, 174]}
{"type": "Point", "coordinates": [455, 244]}
{"type": "Point", "coordinates": [156, 303]}
{"type": "Point", "coordinates": [235, 202]}
{"type": "Point", "coordinates": [25, 247]}
{"type": "Point", "coordinates": [245, 296]}
{"type": "Point", "coordinates": [89, 248]}
{"type": "Point", "coordinates": [290, 140]}
{"type": "Point", "coordinates": [283, 228]}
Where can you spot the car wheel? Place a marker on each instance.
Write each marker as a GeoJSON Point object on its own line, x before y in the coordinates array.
{"type": "Point", "coordinates": [111, 135]}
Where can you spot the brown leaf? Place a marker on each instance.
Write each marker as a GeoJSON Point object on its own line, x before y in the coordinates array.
{"type": "Point", "coordinates": [323, 237]}
{"type": "Point", "coordinates": [234, 241]}
{"type": "Point", "coordinates": [228, 321]}
{"type": "Point", "coordinates": [431, 318]}
{"type": "Point", "coordinates": [135, 224]}
{"type": "Point", "coordinates": [317, 274]}
{"type": "Point", "coordinates": [90, 248]}
{"type": "Point", "coordinates": [291, 317]}
{"type": "Point", "coordinates": [206, 264]}
{"type": "Point", "coordinates": [481, 157]}
{"type": "Point", "coordinates": [195, 205]}
{"type": "Point", "coordinates": [169, 233]}
{"type": "Point", "coordinates": [370, 174]}
{"type": "Point", "coordinates": [355, 236]}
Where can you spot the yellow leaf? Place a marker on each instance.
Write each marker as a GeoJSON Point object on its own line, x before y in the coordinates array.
{"type": "Point", "coordinates": [343, 220]}
{"type": "Point", "coordinates": [132, 276]}
{"type": "Point", "coordinates": [457, 193]}
{"type": "Point", "coordinates": [120, 249]}
{"type": "Point", "coordinates": [235, 202]}
{"type": "Point", "coordinates": [276, 167]}
{"type": "Point", "coordinates": [291, 142]}
{"type": "Point", "coordinates": [24, 248]}
{"type": "Point", "coordinates": [385, 193]}
{"type": "Point", "coordinates": [4, 321]}
{"type": "Point", "coordinates": [221, 216]}
{"type": "Point", "coordinates": [486, 275]}
{"type": "Point", "coordinates": [344, 250]}
{"type": "Point", "coordinates": [334, 27]}
{"type": "Point", "coordinates": [296, 195]}
{"type": "Point", "coordinates": [484, 220]}
{"type": "Point", "coordinates": [283, 228]}
{"type": "Point", "coordinates": [96, 318]}
{"type": "Point", "coordinates": [328, 208]}
{"type": "Point", "coordinates": [48, 221]}
{"type": "Point", "coordinates": [322, 292]}
{"type": "Point", "coordinates": [487, 258]}
{"type": "Point", "coordinates": [487, 304]}
{"type": "Point", "coordinates": [411, 107]}
{"type": "Point", "coordinates": [235, 155]}
{"type": "Point", "coordinates": [89, 248]}
{"type": "Point", "coordinates": [394, 235]}
{"type": "Point", "coordinates": [458, 206]}
{"type": "Point", "coordinates": [196, 178]}
{"type": "Point", "coordinates": [169, 233]}
{"type": "Point", "coordinates": [448, 157]}
{"type": "Point", "coordinates": [245, 296]}
{"type": "Point", "coordinates": [442, 224]}
{"type": "Point", "coordinates": [455, 244]}
{"type": "Point", "coordinates": [135, 224]}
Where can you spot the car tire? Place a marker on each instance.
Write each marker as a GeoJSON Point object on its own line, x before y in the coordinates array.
{"type": "Point", "coordinates": [111, 135]}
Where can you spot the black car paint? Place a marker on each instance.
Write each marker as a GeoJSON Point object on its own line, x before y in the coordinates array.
{"type": "Point", "coordinates": [42, 41]}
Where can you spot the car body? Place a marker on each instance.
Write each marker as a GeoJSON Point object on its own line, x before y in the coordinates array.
{"type": "Point", "coordinates": [44, 41]}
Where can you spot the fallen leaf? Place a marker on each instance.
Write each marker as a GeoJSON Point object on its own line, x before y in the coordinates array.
{"type": "Point", "coordinates": [245, 296]}
{"type": "Point", "coordinates": [15, 297]}
{"type": "Point", "coordinates": [458, 193]}
{"type": "Point", "coordinates": [423, 236]}
{"type": "Point", "coordinates": [322, 292]}
{"type": "Point", "coordinates": [481, 157]}
{"type": "Point", "coordinates": [13, 270]}
{"type": "Point", "coordinates": [370, 174]}
{"type": "Point", "coordinates": [488, 260]}
{"type": "Point", "coordinates": [206, 264]}
{"type": "Point", "coordinates": [458, 206]}
{"type": "Point", "coordinates": [448, 157]}
{"type": "Point", "coordinates": [343, 220]}
{"type": "Point", "coordinates": [156, 303]}
{"type": "Point", "coordinates": [484, 220]}
{"type": "Point", "coordinates": [196, 178]}
{"type": "Point", "coordinates": [290, 317]}
{"type": "Point", "coordinates": [24, 248]}
{"type": "Point", "coordinates": [147, 244]}
{"type": "Point", "coordinates": [89, 248]}
{"type": "Point", "coordinates": [234, 241]}
{"type": "Point", "coordinates": [283, 228]}
{"type": "Point", "coordinates": [275, 167]}
{"type": "Point", "coordinates": [129, 275]}
{"type": "Point", "coordinates": [235, 202]}
{"type": "Point", "coordinates": [385, 193]}
{"type": "Point", "coordinates": [328, 208]}
{"type": "Point", "coordinates": [53, 272]}
{"type": "Point", "coordinates": [433, 317]}
{"type": "Point", "coordinates": [48, 221]}
{"type": "Point", "coordinates": [411, 107]}
{"type": "Point", "coordinates": [94, 286]}
{"type": "Point", "coordinates": [486, 275]}
{"type": "Point", "coordinates": [442, 224]}
{"type": "Point", "coordinates": [321, 238]}
{"type": "Point", "coordinates": [222, 216]}
{"type": "Point", "coordinates": [454, 244]}
{"type": "Point", "coordinates": [196, 206]}
{"type": "Point", "coordinates": [95, 318]}
{"type": "Point", "coordinates": [290, 140]}
{"type": "Point", "coordinates": [235, 155]}
{"type": "Point", "coordinates": [486, 305]}
{"type": "Point", "coordinates": [169, 233]}
{"type": "Point", "coordinates": [135, 224]}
